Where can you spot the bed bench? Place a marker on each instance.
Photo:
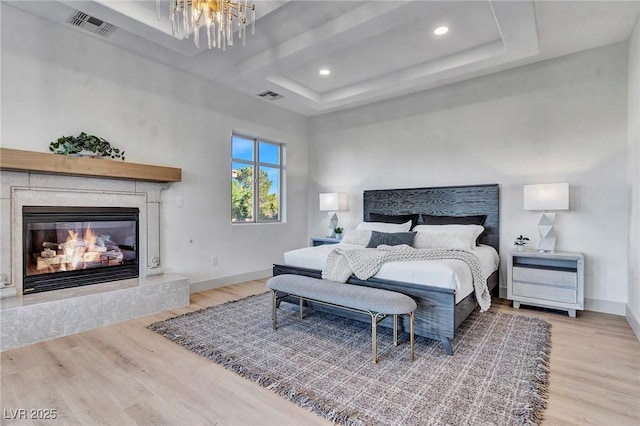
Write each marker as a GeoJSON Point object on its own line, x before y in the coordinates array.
{"type": "Point", "coordinates": [377, 303]}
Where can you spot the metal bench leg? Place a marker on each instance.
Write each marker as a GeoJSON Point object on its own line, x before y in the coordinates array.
{"type": "Point", "coordinates": [274, 301]}
{"type": "Point", "coordinates": [395, 329]}
{"type": "Point", "coordinates": [301, 301]}
{"type": "Point", "coordinates": [374, 337]}
{"type": "Point", "coordinates": [374, 333]}
{"type": "Point", "coordinates": [411, 316]}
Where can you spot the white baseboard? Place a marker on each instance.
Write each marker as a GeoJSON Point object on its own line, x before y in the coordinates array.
{"type": "Point", "coordinates": [604, 306]}
{"type": "Point", "coordinates": [633, 321]}
{"type": "Point", "coordinates": [595, 305]}
{"type": "Point", "coordinates": [233, 279]}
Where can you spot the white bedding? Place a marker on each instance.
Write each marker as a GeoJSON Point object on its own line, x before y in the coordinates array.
{"type": "Point", "coordinates": [448, 273]}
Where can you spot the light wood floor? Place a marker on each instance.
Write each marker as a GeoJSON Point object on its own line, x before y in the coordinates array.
{"type": "Point", "coordinates": [125, 374]}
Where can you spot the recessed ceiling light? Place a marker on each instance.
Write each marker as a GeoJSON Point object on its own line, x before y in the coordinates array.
{"type": "Point", "coordinates": [441, 30]}
{"type": "Point", "coordinates": [324, 71]}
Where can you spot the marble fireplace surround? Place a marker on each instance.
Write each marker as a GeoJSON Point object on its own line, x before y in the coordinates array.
{"type": "Point", "coordinates": [62, 312]}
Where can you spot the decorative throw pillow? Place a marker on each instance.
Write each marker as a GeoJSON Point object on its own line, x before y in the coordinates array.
{"type": "Point", "coordinates": [455, 237]}
{"type": "Point", "coordinates": [385, 227]}
{"type": "Point", "coordinates": [401, 218]}
{"type": "Point", "coordinates": [455, 220]}
{"type": "Point", "coordinates": [452, 241]}
{"type": "Point", "coordinates": [390, 239]}
{"type": "Point", "coordinates": [359, 237]}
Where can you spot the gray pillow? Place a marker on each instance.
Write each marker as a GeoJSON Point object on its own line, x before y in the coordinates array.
{"type": "Point", "coordinates": [390, 239]}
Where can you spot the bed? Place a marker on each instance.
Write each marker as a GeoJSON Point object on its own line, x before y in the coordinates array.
{"type": "Point", "coordinates": [439, 313]}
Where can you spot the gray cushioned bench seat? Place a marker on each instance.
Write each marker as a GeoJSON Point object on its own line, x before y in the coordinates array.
{"type": "Point", "coordinates": [376, 302]}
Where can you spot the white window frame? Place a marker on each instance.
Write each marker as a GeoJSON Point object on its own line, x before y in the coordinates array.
{"type": "Point", "coordinates": [256, 163]}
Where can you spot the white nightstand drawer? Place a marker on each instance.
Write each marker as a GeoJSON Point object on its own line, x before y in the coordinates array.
{"type": "Point", "coordinates": [556, 294]}
{"type": "Point", "coordinates": [545, 276]}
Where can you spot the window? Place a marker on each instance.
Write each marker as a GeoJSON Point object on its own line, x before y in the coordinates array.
{"type": "Point", "coordinates": [247, 156]}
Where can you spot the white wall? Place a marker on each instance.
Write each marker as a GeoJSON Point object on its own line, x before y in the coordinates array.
{"type": "Point", "coordinates": [563, 120]}
{"type": "Point", "coordinates": [59, 81]}
{"type": "Point", "coordinates": [633, 291]}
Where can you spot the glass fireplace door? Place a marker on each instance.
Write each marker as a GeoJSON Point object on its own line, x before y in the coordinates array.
{"type": "Point", "coordinates": [75, 246]}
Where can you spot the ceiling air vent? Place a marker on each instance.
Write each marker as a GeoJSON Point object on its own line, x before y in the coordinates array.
{"type": "Point", "coordinates": [91, 24]}
{"type": "Point", "coordinates": [269, 95]}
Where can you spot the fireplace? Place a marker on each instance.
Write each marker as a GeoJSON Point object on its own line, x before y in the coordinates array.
{"type": "Point", "coordinates": [75, 246]}
{"type": "Point", "coordinates": [39, 316]}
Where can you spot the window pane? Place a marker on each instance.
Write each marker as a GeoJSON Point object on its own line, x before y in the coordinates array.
{"type": "Point", "coordinates": [269, 187]}
{"type": "Point", "coordinates": [241, 192]}
{"type": "Point", "coordinates": [255, 198]}
{"type": "Point", "coordinates": [269, 153]}
{"type": "Point", "coordinates": [241, 148]}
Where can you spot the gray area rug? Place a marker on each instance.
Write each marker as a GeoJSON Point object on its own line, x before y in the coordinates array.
{"type": "Point", "coordinates": [498, 374]}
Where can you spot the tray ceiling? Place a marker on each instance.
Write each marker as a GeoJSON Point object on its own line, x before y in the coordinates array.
{"type": "Point", "coordinates": [374, 49]}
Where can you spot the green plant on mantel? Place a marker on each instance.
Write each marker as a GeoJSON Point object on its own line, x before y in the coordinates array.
{"type": "Point", "coordinates": [75, 145]}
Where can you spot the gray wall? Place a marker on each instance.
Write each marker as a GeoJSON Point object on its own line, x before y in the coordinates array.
{"type": "Point", "coordinates": [633, 291]}
{"type": "Point", "coordinates": [58, 81]}
{"type": "Point", "coordinates": [563, 120]}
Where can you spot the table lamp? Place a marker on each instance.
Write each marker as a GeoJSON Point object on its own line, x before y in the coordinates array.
{"type": "Point", "coordinates": [547, 196]}
{"type": "Point", "coordinates": [332, 202]}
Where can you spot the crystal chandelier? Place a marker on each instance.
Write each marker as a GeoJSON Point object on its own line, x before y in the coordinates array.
{"type": "Point", "coordinates": [219, 17]}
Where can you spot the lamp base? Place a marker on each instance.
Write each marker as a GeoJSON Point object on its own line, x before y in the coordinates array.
{"type": "Point", "coordinates": [333, 223]}
{"type": "Point", "coordinates": [548, 236]}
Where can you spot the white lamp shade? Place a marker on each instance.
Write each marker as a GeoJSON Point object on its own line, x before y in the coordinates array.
{"type": "Point", "coordinates": [547, 196]}
{"type": "Point", "coordinates": [333, 201]}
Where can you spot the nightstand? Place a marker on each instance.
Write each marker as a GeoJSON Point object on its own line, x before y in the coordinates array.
{"type": "Point", "coordinates": [320, 241]}
{"type": "Point", "coordinates": [550, 280]}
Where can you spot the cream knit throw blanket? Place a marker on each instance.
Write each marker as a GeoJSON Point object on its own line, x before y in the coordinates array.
{"type": "Point", "coordinates": [365, 263]}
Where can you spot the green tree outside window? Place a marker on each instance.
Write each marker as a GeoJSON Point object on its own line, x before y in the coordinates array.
{"type": "Point", "coordinates": [244, 207]}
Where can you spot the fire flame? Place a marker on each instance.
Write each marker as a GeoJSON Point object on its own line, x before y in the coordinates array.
{"type": "Point", "coordinates": [87, 251]}
{"type": "Point", "coordinates": [77, 251]}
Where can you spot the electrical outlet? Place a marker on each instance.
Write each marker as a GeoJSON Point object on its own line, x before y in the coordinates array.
{"type": "Point", "coordinates": [179, 202]}
{"type": "Point", "coordinates": [214, 260]}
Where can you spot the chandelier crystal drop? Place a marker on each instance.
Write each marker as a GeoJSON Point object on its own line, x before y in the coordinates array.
{"type": "Point", "coordinates": [220, 18]}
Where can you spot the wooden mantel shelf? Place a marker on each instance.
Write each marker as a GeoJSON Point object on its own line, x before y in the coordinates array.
{"type": "Point", "coordinates": [41, 162]}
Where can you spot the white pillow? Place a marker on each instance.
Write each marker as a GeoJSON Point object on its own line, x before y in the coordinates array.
{"type": "Point", "coordinates": [450, 240]}
{"type": "Point", "coordinates": [360, 237]}
{"type": "Point", "coordinates": [385, 227]}
{"type": "Point", "coordinates": [455, 237]}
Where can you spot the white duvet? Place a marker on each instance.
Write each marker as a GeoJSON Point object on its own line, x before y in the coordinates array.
{"type": "Point", "coordinates": [447, 273]}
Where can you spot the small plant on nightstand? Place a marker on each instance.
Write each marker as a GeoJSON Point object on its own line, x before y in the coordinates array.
{"type": "Point", "coordinates": [520, 242]}
{"type": "Point", "coordinates": [338, 232]}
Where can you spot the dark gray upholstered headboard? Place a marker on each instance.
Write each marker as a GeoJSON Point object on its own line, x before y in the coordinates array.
{"type": "Point", "coordinates": [441, 201]}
